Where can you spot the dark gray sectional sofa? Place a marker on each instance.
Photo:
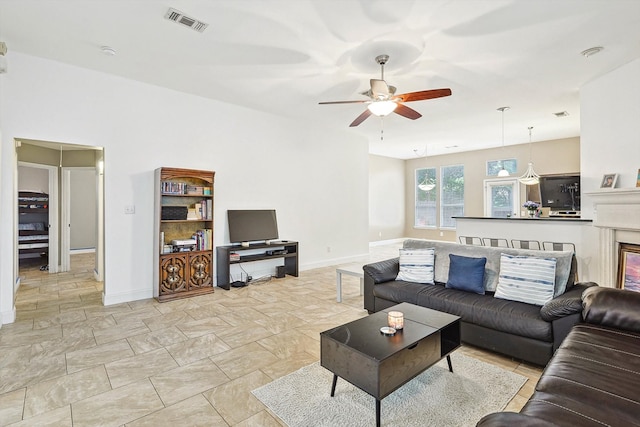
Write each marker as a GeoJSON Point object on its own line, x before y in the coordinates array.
{"type": "Point", "coordinates": [520, 330]}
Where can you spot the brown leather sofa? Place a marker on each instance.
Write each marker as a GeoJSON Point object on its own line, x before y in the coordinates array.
{"type": "Point", "coordinates": [594, 377]}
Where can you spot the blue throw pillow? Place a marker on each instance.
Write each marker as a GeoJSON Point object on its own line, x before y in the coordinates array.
{"type": "Point", "coordinates": [466, 274]}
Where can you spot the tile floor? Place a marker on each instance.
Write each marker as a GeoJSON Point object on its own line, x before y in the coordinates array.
{"type": "Point", "coordinates": [69, 361]}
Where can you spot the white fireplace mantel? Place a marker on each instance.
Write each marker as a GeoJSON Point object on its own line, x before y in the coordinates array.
{"type": "Point", "coordinates": [617, 215]}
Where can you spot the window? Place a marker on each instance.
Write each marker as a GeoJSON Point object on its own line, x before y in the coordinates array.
{"type": "Point", "coordinates": [501, 197]}
{"type": "Point", "coordinates": [494, 166]}
{"type": "Point", "coordinates": [425, 204]}
{"type": "Point", "coordinates": [451, 195]}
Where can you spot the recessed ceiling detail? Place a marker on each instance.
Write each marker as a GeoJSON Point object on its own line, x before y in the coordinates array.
{"type": "Point", "coordinates": [182, 19]}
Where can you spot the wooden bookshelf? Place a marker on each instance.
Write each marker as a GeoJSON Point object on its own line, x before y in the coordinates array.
{"type": "Point", "coordinates": [183, 209]}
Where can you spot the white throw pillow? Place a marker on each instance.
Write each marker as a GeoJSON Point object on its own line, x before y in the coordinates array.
{"type": "Point", "coordinates": [416, 265]}
{"type": "Point", "coordinates": [526, 279]}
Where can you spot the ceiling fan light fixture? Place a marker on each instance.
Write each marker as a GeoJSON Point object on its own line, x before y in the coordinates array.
{"type": "Point", "coordinates": [382, 108]}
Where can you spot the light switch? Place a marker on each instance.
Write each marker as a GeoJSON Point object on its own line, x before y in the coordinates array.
{"type": "Point", "coordinates": [129, 209]}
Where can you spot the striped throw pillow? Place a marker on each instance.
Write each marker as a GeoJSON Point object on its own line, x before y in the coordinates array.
{"type": "Point", "coordinates": [526, 279]}
{"type": "Point", "coordinates": [416, 265]}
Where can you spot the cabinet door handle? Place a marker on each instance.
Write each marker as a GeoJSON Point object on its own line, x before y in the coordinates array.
{"type": "Point", "coordinates": [411, 347]}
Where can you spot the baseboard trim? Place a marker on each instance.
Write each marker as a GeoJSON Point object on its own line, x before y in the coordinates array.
{"type": "Point", "coordinates": [118, 298]}
{"type": "Point", "coordinates": [363, 258]}
{"type": "Point", "coordinates": [8, 316]}
{"type": "Point", "coordinates": [82, 251]}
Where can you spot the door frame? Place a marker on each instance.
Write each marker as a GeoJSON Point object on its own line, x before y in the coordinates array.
{"type": "Point", "coordinates": [53, 215]}
{"type": "Point", "coordinates": [489, 183]}
{"type": "Point", "coordinates": [65, 253]}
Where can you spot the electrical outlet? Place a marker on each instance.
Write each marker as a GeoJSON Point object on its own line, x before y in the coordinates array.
{"type": "Point", "coordinates": [328, 249]}
{"type": "Point", "coordinates": [442, 234]}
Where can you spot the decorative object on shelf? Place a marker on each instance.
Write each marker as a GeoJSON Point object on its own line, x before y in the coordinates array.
{"type": "Point", "coordinates": [531, 207]}
{"type": "Point", "coordinates": [609, 180]}
{"type": "Point", "coordinates": [427, 183]}
{"type": "Point", "coordinates": [638, 179]}
{"type": "Point", "coordinates": [503, 172]}
{"type": "Point", "coordinates": [530, 177]}
{"type": "Point", "coordinates": [395, 319]}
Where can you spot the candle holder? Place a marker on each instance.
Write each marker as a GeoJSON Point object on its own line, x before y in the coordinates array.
{"type": "Point", "coordinates": [395, 320]}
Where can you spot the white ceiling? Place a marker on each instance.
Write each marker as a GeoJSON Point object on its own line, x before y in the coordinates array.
{"type": "Point", "coordinates": [285, 56]}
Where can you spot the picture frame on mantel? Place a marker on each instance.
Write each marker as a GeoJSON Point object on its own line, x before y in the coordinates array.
{"type": "Point", "coordinates": [609, 180]}
{"type": "Point", "coordinates": [629, 267]}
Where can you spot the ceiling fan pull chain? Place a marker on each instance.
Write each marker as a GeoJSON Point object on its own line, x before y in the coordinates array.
{"type": "Point", "coordinates": [381, 128]}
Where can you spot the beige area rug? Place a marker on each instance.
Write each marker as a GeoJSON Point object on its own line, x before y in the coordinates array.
{"type": "Point", "coordinates": [434, 398]}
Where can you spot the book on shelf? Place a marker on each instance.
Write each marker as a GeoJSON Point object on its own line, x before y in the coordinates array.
{"type": "Point", "coordinates": [204, 239]}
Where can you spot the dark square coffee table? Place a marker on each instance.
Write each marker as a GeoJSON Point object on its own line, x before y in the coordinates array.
{"type": "Point", "coordinates": [378, 364]}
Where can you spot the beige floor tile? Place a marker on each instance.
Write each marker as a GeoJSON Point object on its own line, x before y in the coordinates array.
{"type": "Point", "coordinates": [189, 351]}
{"type": "Point", "coordinates": [60, 417]}
{"type": "Point", "coordinates": [11, 406]}
{"type": "Point", "coordinates": [261, 419]}
{"type": "Point", "coordinates": [30, 337]}
{"type": "Point", "coordinates": [195, 411]}
{"type": "Point", "coordinates": [290, 342]}
{"type": "Point", "coordinates": [187, 381]}
{"type": "Point", "coordinates": [156, 339]}
{"type": "Point", "coordinates": [59, 392]}
{"type": "Point", "coordinates": [243, 360]}
{"type": "Point", "coordinates": [289, 365]}
{"type": "Point", "coordinates": [234, 400]}
{"type": "Point", "coordinates": [118, 332]}
{"type": "Point", "coordinates": [197, 328]}
{"type": "Point", "coordinates": [134, 368]}
{"type": "Point", "coordinates": [237, 336]}
{"type": "Point", "coordinates": [27, 372]}
{"type": "Point", "coordinates": [166, 320]}
{"type": "Point", "coordinates": [105, 353]}
{"type": "Point", "coordinates": [117, 407]}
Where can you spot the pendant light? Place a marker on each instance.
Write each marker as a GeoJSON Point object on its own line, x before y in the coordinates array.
{"type": "Point", "coordinates": [503, 172]}
{"type": "Point", "coordinates": [427, 183]}
{"type": "Point", "coordinates": [530, 177]}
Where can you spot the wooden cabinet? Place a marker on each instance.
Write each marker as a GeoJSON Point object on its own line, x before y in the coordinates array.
{"type": "Point", "coordinates": [33, 227]}
{"type": "Point", "coordinates": [183, 231]}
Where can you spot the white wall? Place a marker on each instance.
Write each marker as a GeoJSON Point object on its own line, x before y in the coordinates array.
{"type": "Point", "coordinates": [386, 198]}
{"type": "Point", "coordinates": [610, 141]}
{"type": "Point", "coordinates": [609, 118]}
{"type": "Point", "coordinates": [82, 208]}
{"type": "Point", "coordinates": [317, 180]}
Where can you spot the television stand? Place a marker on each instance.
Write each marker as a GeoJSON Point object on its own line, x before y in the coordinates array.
{"type": "Point", "coordinates": [286, 249]}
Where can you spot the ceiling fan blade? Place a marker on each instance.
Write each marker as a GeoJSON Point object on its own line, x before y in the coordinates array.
{"type": "Point", "coordinates": [423, 94]}
{"type": "Point", "coordinates": [343, 102]}
{"type": "Point", "coordinates": [361, 118]}
{"type": "Point", "coordinates": [379, 88]}
{"type": "Point", "coordinates": [407, 112]}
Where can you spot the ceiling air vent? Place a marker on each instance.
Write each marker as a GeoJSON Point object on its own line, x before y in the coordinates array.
{"type": "Point", "coordinates": [561, 114]}
{"type": "Point", "coordinates": [182, 19]}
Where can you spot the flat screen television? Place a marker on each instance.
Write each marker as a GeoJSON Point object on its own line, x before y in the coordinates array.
{"type": "Point", "coordinates": [252, 225]}
{"type": "Point", "coordinates": [560, 192]}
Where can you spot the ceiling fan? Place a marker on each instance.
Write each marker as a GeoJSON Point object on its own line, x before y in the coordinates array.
{"type": "Point", "coordinates": [383, 100]}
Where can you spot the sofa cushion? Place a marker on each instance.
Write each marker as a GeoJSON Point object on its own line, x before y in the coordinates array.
{"type": "Point", "coordinates": [466, 273]}
{"type": "Point", "coordinates": [484, 310]}
{"type": "Point", "coordinates": [416, 265]}
{"type": "Point", "coordinates": [526, 279]}
{"type": "Point", "coordinates": [565, 260]}
{"type": "Point", "coordinates": [613, 308]}
{"type": "Point", "coordinates": [399, 291]}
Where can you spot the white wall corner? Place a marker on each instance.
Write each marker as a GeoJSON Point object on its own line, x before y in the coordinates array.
{"type": "Point", "coordinates": [119, 298]}
{"type": "Point", "coordinates": [8, 316]}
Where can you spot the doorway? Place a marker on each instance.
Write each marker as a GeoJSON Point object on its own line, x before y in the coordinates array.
{"type": "Point", "coordinates": [66, 161]}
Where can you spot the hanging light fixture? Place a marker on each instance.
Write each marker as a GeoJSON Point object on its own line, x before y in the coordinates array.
{"type": "Point", "coordinates": [530, 177]}
{"type": "Point", "coordinates": [503, 172]}
{"type": "Point", "coordinates": [427, 183]}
